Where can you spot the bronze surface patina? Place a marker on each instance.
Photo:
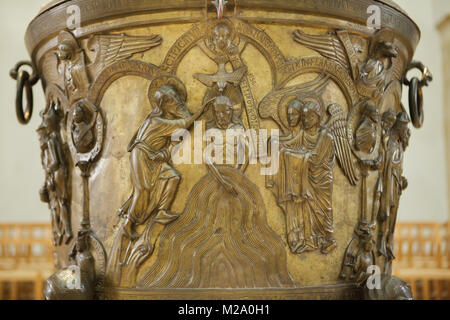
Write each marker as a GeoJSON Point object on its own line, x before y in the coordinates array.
{"type": "Point", "coordinates": [306, 87]}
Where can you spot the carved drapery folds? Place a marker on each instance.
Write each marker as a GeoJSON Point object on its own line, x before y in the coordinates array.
{"type": "Point", "coordinates": [55, 161]}
{"type": "Point", "coordinates": [334, 98]}
{"type": "Point", "coordinates": [71, 111]}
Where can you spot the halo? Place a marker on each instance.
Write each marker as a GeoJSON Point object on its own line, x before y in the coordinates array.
{"type": "Point", "coordinates": [303, 97]}
{"type": "Point", "coordinates": [232, 92]}
{"type": "Point", "coordinates": [236, 108]}
{"type": "Point", "coordinates": [273, 103]}
{"type": "Point", "coordinates": [308, 96]}
{"type": "Point", "coordinates": [319, 100]}
{"type": "Point", "coordinates": [165, 80]}
{"type": "Point", "coordinates": [282, 108]}
{"type": "Point", "coordinates": [212, 25]}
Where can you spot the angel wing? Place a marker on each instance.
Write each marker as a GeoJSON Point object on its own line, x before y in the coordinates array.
{"type": "Point", "coordinates": [236, 76]}
{"type": "Point", "coordinates": [207, 79]}
{"type": "Point", "coordinates": [328, 45]}
{"type": "Point", "coordinates": [337, 126]}
{"type": "Point", "coordinates": [113, 48]}
{"type": "Point", "coordinates": [222, 77]}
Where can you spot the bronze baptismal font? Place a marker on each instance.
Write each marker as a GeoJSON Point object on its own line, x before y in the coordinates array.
{"type": "Point", "coordinates": [247, 149]}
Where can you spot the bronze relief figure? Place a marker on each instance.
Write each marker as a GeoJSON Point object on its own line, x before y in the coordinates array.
{"type": "Point", "coordinates": [54, 155]}
{"type": "Point", "coordinates": [80, 70]}
{"type": "Point", "coordinates": [300, 90]}
{"type": "Point", "coordinates": [304, 183]}
{"type": "Point", "coordinates": [83, 129]}
{"type": "Point", "coordinates": [154, 179]}
{"type": "Point", "coordinates": [387, 122]}
{"type": "Point", "coordinates": [222, 239]}
{"type": "Point", "coordinates": [393, 185]}
{"type": "Point", "coordinates": [72, 64]}
{"type": "Point", "coordinates": [367, 132]}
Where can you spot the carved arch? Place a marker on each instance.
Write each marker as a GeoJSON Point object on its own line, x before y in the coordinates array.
{"type": "Point", "coordinates": [117, 71]}
{"type": "Point", "coordinates": [322, 65]}
{"type": "Point", "coordinates": [253, 35]}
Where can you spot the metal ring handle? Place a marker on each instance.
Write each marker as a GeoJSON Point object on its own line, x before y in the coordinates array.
{"type": "Point", "coordinates": [15, 72]}
{"type": "Point", "coordinates": [426, 78]}
{"type": "Point", "coordinates": [416, 93]}
{"type": "Point", "coordinates": [416, 103]}
{"type": "Point", "coordinates": [23, 83]}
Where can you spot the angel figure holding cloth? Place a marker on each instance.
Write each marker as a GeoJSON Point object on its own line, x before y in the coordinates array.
{"type": "Point", "coordinates": [303, 185]}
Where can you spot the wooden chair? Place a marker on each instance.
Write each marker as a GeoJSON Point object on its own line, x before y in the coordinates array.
{"type": "Point", "coordinates": [417, 245]}
{"type": "Point", "coordinates": [445, 235]}
{"type": "Point", "coordinates": [26, 256]}
{"type": "Point", "coordinates": [12, 279]}
{"type": "Point", "coordinates": [422, 251]}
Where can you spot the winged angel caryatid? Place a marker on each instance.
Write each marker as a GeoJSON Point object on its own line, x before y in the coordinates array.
{"type": "Point", "coordinates": [304, 182]}
{"type": "Point", "coordinates": [106, 50]}
{"type": "Point", "coordinates": [376, 76]}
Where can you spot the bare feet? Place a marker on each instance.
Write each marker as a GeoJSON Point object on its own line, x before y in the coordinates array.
{"type": "Point", "coordinates": [329, 246]}
{"type": "Point", "coordinates": [294, 241]}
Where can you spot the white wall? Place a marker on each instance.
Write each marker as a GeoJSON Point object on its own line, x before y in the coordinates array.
{"type": "Point", "coordinates": [425, 164]}
{"type": "Point", "coordinates": [20, 167]}
{"type": "Point", "coordinates": [21, 174]}
{"type": "Point", "coordinates": [441, 8]}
